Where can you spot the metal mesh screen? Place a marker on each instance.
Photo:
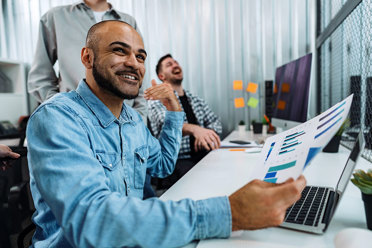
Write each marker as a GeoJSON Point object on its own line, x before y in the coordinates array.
{"type": "Point", "coordinates": [328, 11]}
{"type": "Point", "coordinates": [346, 67]}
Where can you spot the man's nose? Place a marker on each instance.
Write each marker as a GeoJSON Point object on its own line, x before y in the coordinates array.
{"type": "Point", "coordinates": [131, 61]}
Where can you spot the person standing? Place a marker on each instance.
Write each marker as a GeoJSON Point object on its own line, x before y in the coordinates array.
{"type": "Point", "coordinates": [62, 34]}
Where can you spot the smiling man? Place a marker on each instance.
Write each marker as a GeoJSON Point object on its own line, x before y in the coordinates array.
{"type": "Point", "coordinates": [201, 128]}
{"type": "Point", "coordinates": [89, 152]}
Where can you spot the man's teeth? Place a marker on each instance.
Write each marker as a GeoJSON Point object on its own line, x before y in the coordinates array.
{"type": "Point", "coordinates": [129, 77]}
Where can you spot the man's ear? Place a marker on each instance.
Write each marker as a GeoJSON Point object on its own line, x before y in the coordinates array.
{"type": "Point", "coordinates": [87, 57]}
{"type": "Point", "coordinates": [161, 76]}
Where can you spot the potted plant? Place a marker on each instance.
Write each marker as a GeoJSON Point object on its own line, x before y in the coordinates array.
{"type": "Point", "coordinates": [363, 180]}
{"type": "Point", "coordinates": [257, 126]}
{"type": "Point", "coordinates": [241, 127]}
{"type": "Point", "coordinates": [334, 143]}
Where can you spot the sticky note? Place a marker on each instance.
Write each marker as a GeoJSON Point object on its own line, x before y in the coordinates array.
{"type": "Point", "coordinates": [239, 102]}
{"type": "Point", "coordinates": [252, 87]}
{"type": "Point", "coordinates": [285, 87]}
{"type": "Point", "coordinates": [252, 102]}
{"type": "Point", "coordinates": [275, 88]}
{"type": "Point", "coordinates": [238, 85]}
{"type": "Point", "coordinates": [281, 105]}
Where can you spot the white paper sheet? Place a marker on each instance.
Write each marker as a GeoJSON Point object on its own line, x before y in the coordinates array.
{"type": "Point", "coordinates": [287, 154]}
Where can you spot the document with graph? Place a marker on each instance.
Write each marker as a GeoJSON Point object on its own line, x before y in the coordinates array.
{"type": "Point", "coordinates": [287, 154]}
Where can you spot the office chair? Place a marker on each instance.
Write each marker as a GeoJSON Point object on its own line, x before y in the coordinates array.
{"type": "Point", "coordinates": [25, 237]}
{"type": "Point", "coordinates": [15, 195]}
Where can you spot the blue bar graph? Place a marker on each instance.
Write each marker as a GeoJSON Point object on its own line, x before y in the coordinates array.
{"type": "Point", "coordinates": [290, 142]}
{"type": "Point", "coordinates": [325, 130]}
{"type": "Point", "coordinates": [271, 180]}
{"type": "Point", "coordinates": [330, 119]}
{"type": "Point", "coordinates": [271, 175]}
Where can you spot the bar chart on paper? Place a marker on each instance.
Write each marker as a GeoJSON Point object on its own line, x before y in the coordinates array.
{"type": "Point", "coordinates": [284, 153]}
{"type": "Point", "coordinates": [290, 142]}
{"type": "Point", "coordinates": [288, 153]}
{"type": "Point", "coordinates": [271, 175]}
{"type": "Point", "coordinates": [330, 120]}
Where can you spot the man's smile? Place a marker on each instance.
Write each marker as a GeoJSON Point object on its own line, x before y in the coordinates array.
{"type": "Point", "coordinates": [177, 70]}
{"type": "Point", "coordinates": [129, 77]}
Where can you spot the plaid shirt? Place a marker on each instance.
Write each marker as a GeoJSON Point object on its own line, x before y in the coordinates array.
{"type": "Point", "coordinates": [204, 116]}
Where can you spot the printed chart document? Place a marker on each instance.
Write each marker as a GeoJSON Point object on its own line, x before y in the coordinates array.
{"type": "Point", "coordinates": [287, 154]}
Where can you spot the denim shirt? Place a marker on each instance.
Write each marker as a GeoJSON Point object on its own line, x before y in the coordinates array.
{"type": "Point", "coordinates": [87, 172]}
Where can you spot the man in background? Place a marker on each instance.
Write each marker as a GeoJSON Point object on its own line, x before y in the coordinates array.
{"type": "Point", "coordinates": [62, 34]}
{"type": "Point", "coordinates": [201, 128]}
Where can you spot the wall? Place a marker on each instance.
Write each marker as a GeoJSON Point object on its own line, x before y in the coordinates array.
{"type": "Point", "coordinates": [215, 41]}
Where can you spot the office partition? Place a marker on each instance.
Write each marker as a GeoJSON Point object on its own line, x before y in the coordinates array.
{"type": "Point", "coordinates": [344, 38]}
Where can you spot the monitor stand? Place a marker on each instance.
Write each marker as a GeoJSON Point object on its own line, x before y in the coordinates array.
{"type": "Point", "coordinates": [283, 125]}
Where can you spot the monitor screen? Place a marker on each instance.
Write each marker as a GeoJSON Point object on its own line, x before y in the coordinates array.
{"type": "Point", "coordinates": [291, 92]}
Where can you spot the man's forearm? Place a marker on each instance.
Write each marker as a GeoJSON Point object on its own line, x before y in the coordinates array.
{"type": "Point", "coordinates": [188, 129]}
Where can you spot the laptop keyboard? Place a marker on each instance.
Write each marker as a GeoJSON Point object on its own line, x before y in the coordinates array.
{"type": "Point", "coordinates": [308, 209]}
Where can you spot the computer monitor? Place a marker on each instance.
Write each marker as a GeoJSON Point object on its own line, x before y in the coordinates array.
{"type": "Point", "coordinates": [291, 93]}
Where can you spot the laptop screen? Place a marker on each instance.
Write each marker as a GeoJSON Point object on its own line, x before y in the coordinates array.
{"type": "Point", "coordinates": [350, 164]}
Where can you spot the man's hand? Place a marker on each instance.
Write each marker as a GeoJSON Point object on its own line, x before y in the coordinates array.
{"type": "Point", "coordinates": [205, 138]}
{"type": "Point", "coordinates": [6, 152]}
{"type": "Point", "coordinates": [259, 204]}
{"type": "Point", "coordinates": [163, 92]}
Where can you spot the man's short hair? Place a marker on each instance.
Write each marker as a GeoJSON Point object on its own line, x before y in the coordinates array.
{"type": "Point", "coordinates": [158, 66]}
{"type": "Point", "coordinates": [92, 38]}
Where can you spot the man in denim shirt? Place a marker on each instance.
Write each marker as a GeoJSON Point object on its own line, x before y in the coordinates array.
{"type": "Point", "coordinates": [88, 155]}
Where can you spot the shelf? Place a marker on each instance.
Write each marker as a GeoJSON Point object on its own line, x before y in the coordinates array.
{"type": "Point", "coordinates": [13, 104]}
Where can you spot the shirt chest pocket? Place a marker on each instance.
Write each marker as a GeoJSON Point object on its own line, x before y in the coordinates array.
{"type": "Point", "coordinates": [141, 154]}
{"type": "Point", "coordinates": [109, 161]}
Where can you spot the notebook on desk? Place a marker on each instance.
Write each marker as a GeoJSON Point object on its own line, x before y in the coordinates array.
{"type": "Point", "coordinates": [314, 211]}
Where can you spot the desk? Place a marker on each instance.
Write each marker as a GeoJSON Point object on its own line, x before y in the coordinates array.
{"type": "Point", "coordinates": [222, 172]}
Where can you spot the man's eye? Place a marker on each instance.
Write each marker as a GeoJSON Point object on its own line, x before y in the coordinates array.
{"type": "Point", "coordinates": [118, 49]}
{"type": "Point", "coordinates": [141, 57]}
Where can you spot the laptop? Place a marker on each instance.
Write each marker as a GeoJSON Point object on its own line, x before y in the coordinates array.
{"type": "Point", "coordinates": [314, 211]}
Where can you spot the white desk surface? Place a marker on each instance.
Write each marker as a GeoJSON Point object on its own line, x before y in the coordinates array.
{"type": "Point", "coordinates": [222, 172]}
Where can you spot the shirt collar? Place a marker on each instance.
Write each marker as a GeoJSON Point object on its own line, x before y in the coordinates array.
{"type": "Point", "coordinates": [110, 10]}
{"type": "Point", "coordinates": [99, 109]}
{"type": "Point", "coordinates": [186, 93]}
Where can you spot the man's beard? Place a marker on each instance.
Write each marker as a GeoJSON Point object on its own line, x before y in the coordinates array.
{"type": "Point", "coordinates": [107, 83]}
{"type": "Point", "coordinates": [177, 82]}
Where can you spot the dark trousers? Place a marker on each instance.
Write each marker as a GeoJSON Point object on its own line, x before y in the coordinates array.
{"type": "Point", "coordinates": [182, 167]}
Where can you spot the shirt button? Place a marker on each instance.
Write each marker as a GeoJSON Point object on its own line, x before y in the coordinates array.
{"type": "Point", "coordinates": [110, 165]}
